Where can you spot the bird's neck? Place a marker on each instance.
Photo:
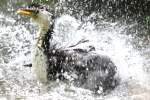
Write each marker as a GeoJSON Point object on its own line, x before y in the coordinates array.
{"type": "Point", "coordinates": [40, 54]}
{"type": "Point", "coordinates": [44, 35]}
{"type": "Point", "coordinates": [43, 29]}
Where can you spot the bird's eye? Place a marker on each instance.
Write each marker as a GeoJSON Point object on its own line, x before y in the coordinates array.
{"type": "Point", "coordinates": [36, 11]}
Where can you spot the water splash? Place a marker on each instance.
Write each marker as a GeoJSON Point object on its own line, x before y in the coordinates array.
{"type": "Point", "coordinates": [109, 41]}
{"type": "Point", "coordinates": [17, 81]}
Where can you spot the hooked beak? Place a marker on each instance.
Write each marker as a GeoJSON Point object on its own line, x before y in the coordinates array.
{"type": "Point", "coordinates": [28, 12]}
{"type": "Point", "coordinates": [25, 12]}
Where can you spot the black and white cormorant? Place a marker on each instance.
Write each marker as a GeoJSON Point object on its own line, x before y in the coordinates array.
{"type": "Point", "coordinates": [83, 68]}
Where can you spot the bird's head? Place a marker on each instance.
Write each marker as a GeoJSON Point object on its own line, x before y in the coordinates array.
{"type": "Point", "coordinates": [38, 13]}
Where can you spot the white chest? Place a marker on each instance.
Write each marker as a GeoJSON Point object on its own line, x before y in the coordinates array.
{"type": "Point", "coordinates": [40, 64]}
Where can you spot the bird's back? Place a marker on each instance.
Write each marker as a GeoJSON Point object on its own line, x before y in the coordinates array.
{"type": "Point", "coordinates": [82, 68]}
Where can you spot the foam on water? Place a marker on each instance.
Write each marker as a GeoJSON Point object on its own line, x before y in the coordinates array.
{"type": "Point", "coordinates": [15, 48]}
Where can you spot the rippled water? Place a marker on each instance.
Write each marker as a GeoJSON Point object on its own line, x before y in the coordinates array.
{"type": "Point", "coordinates": [18, 83]}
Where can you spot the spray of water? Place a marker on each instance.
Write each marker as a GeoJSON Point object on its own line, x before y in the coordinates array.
{"type": "Point", "coordinates": [16, 81]}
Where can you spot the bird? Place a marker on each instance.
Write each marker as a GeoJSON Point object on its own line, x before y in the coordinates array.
{"type": "Point", "coordinates": [80, 67]}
